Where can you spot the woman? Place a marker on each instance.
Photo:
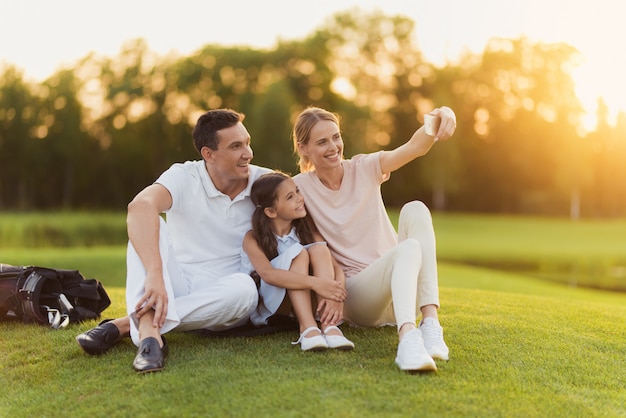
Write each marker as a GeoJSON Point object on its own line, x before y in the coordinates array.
{"type": "Point", "coordinates": [388, 275]}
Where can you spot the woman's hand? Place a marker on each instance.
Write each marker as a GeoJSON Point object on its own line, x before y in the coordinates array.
{"type": "Point", "coordinates": [448, 122]}
{"type": "Point", "coordinates": [154, 297]}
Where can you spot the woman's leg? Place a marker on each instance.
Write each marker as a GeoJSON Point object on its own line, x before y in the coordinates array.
{"type": "Point", "coordinates": [416, 222]}
{"type": "Point", "coordinates": [384, 292]}
{"type": "Point", "coordinates": [388, 291]}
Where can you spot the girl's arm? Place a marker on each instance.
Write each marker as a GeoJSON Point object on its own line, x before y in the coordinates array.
{"type": "Point", "coordinates": [420, 143]}
{"type": "Point", "coordinates": [326, 287]}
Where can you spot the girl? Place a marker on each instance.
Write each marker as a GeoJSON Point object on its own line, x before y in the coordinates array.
{"type": "Point", "coordinates": [282, 233]}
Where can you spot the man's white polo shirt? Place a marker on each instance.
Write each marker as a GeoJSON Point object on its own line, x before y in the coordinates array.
{"type": "Point", "coordinates": [206, 227]}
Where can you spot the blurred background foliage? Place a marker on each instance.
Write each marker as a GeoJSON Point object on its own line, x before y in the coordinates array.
{"type": "Point", "coordinates": [91, 136]}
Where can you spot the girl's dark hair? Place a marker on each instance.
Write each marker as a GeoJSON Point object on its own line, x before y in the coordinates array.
{"type": "Point", "coordinates": [263, 195]}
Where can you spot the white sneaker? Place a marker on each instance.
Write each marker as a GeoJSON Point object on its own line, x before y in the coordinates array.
{"type": "Point", "coordinates": [337, 341]}
{"type": "Point", "coordinates": [432, 333]}
{"type": "Point", "coordinates": [412, 355]}
{"type": "Point", "coordinates": [316, 343]}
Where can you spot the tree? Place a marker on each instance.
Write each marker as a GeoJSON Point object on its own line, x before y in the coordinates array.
{"type": "Point", "coordinates": [69, 149]}
{"type": "Point", "coordinates": [379, 70]}
{"type": "Point", "coordinates": [606, 193]}
{"type": "Point", "coordinates": [524, 112]}
{"type": "Point", "coordinates": [18, 139]}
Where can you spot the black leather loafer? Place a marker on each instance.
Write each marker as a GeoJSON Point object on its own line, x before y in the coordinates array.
{"type": "Point", "coordinates": [99, 339]}
{"type": "Point", "coordinates": [150, 355]}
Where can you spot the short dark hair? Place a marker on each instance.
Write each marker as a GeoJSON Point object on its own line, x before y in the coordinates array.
{"type": "Point", "coordinates": [210, 123]}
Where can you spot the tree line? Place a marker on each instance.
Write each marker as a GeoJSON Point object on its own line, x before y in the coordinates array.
{"type": "Point", "coordinates": [92, 136]}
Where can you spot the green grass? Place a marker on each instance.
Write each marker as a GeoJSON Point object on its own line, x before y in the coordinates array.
{"type": "Point", "coordinates": [61, 229]}
{"type": "Point", "coordinates": [514, 355]}
{"type": "Point", "coordinates": [107, 264]}
{"type": "Point", "coordinates": [589, 253]}
{"type": "Point", "coordinates": [521, 346]}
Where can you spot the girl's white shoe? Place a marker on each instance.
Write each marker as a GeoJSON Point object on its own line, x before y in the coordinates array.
{"type": "Point", "coordinates": [337, 341]}
{"type": "Point", "coordinates": [315, 343]}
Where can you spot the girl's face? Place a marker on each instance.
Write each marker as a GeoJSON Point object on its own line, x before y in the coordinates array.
{"type": "Point", "coordinates": [289, 204]}
{"type": "Point", "coordinates": [325, 146]}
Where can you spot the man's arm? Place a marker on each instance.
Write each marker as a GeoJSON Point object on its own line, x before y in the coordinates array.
{"type": "Point", "coordinates": [143, 232]}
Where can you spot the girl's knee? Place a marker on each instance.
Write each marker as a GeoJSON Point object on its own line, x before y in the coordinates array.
{"type": "Point", "coordinates": [318, 250]}
{"type": "Point", "coordinates": [303, 256]}
{"type": "Point", "coordinates": [301, 261]}
{"type": "Point", "coordinates": [320, 257]}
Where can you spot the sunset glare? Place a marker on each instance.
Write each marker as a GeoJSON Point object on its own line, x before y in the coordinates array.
{"type": "Point", "coordinates": [39, 36]}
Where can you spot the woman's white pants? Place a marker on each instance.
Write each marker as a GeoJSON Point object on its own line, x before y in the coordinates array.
{"type": "Point", "coordinates": [393, 288]}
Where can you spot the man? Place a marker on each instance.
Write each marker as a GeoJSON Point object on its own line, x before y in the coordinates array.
{"type": "Point", "coordinates": [183, 274]}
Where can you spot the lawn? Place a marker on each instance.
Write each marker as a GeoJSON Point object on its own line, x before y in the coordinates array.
{"type": "Point", "coordinates": [521, 346]}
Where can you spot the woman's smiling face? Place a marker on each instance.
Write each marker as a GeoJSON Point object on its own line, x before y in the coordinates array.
{"type": "Point", "coordinates": [325, 146]}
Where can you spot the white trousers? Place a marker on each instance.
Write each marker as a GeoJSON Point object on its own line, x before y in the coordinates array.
{"type": "Point", "coordinates": [194, 302]}
{"type": "Point", "coordinates": [391, 289]}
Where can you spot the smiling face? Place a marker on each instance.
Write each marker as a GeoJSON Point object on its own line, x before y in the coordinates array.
{"type": "Point", "coordinates": [289, 202]}
{"type": "Point", "coordinates": [324, 149]}
{"type": "Point", "coordinates": [228, 165]}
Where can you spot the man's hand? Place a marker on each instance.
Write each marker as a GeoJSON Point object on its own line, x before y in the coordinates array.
{"type": "Point", "coordinates": [155, 297]}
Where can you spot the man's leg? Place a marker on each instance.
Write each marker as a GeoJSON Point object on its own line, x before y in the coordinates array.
{"type": "Point", "coordinates": [100, 339]}
{"type": "Point", "coordinates": [109, 332]}
{"type": "Point", "coordinates": [153, 348]}
{"type": "Point", "coordinates": [176, 284]}
{"type": "Point", "coordinates": [217, 304]}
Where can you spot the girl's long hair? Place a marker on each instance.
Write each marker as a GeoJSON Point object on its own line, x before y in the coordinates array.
{"type": "Point", "coordinates": [263, 195]}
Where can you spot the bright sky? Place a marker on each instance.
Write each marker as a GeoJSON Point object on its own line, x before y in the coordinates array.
{"type": "Point", "coordinates": [39, 36]}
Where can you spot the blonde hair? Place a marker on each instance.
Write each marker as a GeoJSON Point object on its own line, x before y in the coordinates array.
{"type": "Point", "coordinates": [302, 131]}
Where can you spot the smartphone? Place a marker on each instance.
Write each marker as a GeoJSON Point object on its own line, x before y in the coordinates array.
{"type": "Point", "coordinates": [431, 124]}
